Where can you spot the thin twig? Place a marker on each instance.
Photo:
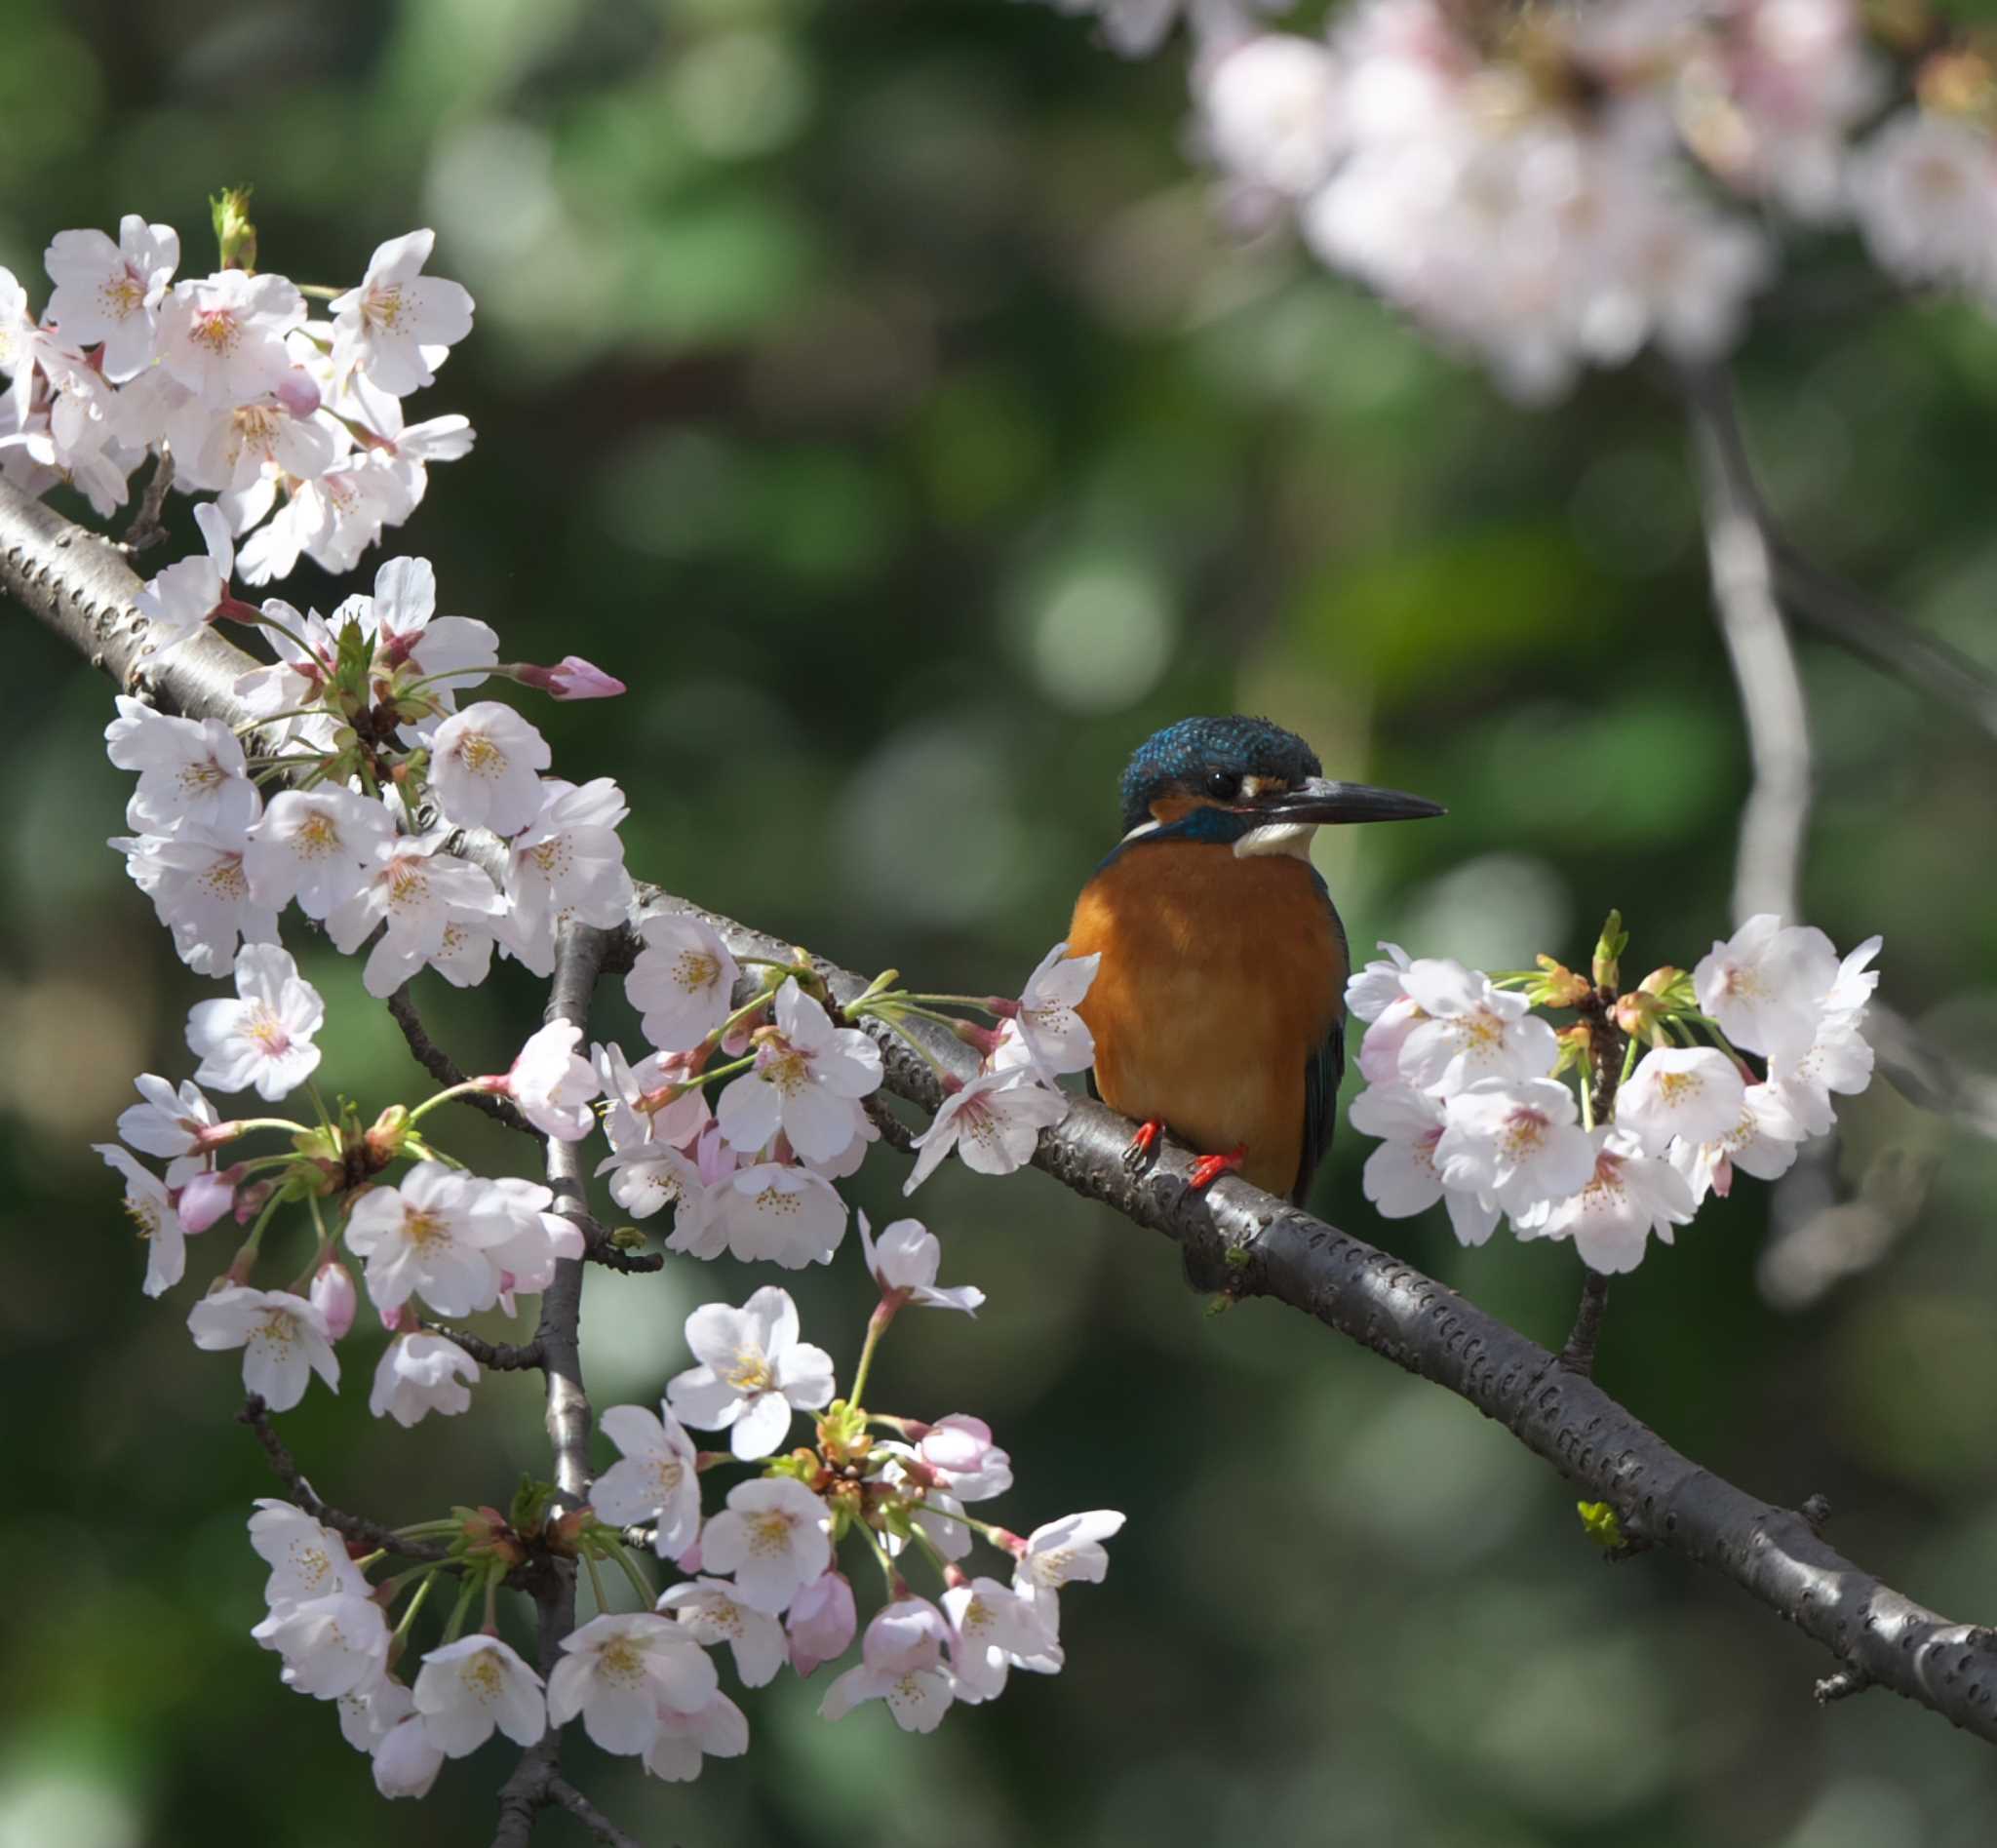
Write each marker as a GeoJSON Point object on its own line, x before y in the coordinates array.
{"type": "Point", "coordinates": [1768, 866]}
{"type": "Point", "coordinates": [599, 1824]}
{"type": "Point", "coordinates": [499, 1356]}
{"type": "Point", "coordinates": [445, 1069]}
{"type": "Point", "coordinates": [371, 1533]}
{"type": "Point", "coordinates": [147, 528]}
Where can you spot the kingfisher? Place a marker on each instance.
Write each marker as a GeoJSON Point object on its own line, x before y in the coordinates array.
{"type": "Point", "coordinates": [1217, 1009]}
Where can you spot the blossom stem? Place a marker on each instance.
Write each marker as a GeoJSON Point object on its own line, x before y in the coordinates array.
{"type": "Point", "coordinates": [596, 1581]}
{"type": "Point", "coordinates": [258, 723]}
{"type": "Point", "coordinates": [427, 1574]}
{"type": "Point", "coordinates": [244, 1125]}
{"type": "Point", "coordinates": [304, 1278]}
{"type": "Point", "coordinates": [928, 1057]}
{"type": "Point", "coordinates": [320, 292]}
{"type": "Point", "coordinates": [263, 620]}
{"type": "Point", "coordinates": [429, 1104]}
{"type": "Point", "coordinates": [491, 1624]}
{"type": "Point", "coordinates": [989, 1530]}
{"type": "Point", "coordinates": [1588, 1104]}
{"type": "Point", "coordinates": [897, 1585]}
{"type": "Point", "coordinates": [982, 1003]}
{"type": "Point", "coordinates": [455, 1626]}
{"type": "Point", "coordinates": [883, 1314]}
{"type": "Point", "coordinates": [1630, 1059]}
{"type": "Point", "coordinates": [930, 1550]}
{"type": "Point", "coordinates": [643, 1586]}
{"type": "Point", "coordinates": [741, 1013]}
{"type": "Point", "coordinates": [246, 1252]}
{"type": "Point", "coordinates": [724, 1071]}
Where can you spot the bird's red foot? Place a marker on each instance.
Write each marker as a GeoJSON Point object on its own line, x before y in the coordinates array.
{"type": "Point", "coordinates": [1144, 1146]}
{"type": "Point", "coordinates": [1210, 1168]}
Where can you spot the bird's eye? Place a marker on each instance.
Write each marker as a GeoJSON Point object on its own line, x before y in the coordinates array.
{"type": "Point", "coordinates": [1223, 785]}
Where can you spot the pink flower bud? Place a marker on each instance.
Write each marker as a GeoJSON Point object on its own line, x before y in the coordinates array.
{"type": "Point", "coordinates": [908, 1634]}
{"type": "Point", "coordinates": [332, 1296]}
{"type": "Point", "coordinates": [251, 1199]}
{"type": "Point", "coordinates": [822, 1621]}
{"type": "Point", "coordinates": [206, 1198]}
{"type": "Point", "coordinates": [572, 677]}
{"type": "Point", "coordinates": [689, 1561]}
{"type": "Point", "coordinates": [397, 1318]}
{"type": "Point", "coordinates": [297, 392]}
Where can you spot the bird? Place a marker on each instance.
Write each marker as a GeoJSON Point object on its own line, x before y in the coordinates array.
{"type": "Point", "coordinates": [1218, 1007]}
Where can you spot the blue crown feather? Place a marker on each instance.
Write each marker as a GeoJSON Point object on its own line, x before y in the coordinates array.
{"type": "Point", "coordinates": [1183, 754]}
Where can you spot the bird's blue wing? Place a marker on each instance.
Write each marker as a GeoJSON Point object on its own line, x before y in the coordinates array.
{"type": "Point", "coordinates": [1321, 1073]}
{"type": "Point", "coordinates": [1323, 1070]}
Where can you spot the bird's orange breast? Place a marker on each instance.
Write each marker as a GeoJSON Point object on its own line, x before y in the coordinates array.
{"type": "Point", "coordinates": [1220, 976]}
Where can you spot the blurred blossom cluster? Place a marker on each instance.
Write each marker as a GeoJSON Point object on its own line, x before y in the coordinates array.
{"type": "Point", "coordinates": [1550, 188]}
{"type": "Point", "coordinates": [294, 425]}
{"type": "Point", "coordinates": [1465, 1085]}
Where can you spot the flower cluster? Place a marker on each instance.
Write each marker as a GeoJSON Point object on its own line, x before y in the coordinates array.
{"type": "Point", "coordinates": [1465, 1086]}
{"type": "Point", "coordinates": [294, 425]}
{"type": "Point", "coordinates": [1548, 187]}
{"type": "Point", "coordinates": [363, 713]}
{"type": "Point", "coordinates": [759, 1574]}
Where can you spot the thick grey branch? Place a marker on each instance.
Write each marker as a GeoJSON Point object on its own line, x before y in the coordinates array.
{"type": "Point", "coordinates": [1263, 1247]}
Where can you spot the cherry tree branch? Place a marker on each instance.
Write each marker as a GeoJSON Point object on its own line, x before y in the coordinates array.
{"type": "Point", "coordinates": [445, 1069]}
{"type": "Point", "coordinates": [370, 1533]}
{"type": "Point", "coordinates": [1247, 1243]}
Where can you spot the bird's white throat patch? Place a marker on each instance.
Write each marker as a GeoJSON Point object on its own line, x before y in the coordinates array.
{"type": "Point", "coordinates": [1279, 836]}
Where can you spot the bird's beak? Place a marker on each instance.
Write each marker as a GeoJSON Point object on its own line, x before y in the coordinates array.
{"type": "Point", "coordinates": [1318, 800]}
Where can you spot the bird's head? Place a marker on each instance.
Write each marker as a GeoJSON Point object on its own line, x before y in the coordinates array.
{"type": "Point", "coordinates": [1247, 783]}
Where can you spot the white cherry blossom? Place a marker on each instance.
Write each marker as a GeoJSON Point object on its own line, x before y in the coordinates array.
{"type": "Point", "coordinates": [713, 1613]}
{"type": "Point", "coordinates": [150, 1208]}
{"type": "Point", "coordinates": [682, 981]}
{"type": "Point", "coordinates": [781, 1213]}
{"type": "Point", "coordinates": [189, 769]}
{"type": "Point", "coordinates": [433, 1233]}
{"type": "Point", "coordinates": [565, 866]}
{"type": "Point", "coordinates": [905, 1260]}
{"type": "Point", "coordinates": [994, 1123]}
{"type": "Point", "coordinates": [1766, 985]}
{"type": "Point", "coordinates": [773, 1536]}
{"type": "Point", "coordinates": [807, 1082]}
{"type": "Point", "coordinates": [618, 1670]}
{"type": "Point", "coordinates": [1056, 1035]}
{"type": "Point", "coordinates": [262, 1040]}
{"type": "Point", "coordinates": [484, 765]}
{"type": "Point", "coordinates": [551, 1085]}
{"type": "Point", "coordinates": [316, 845]}
{"type": "Point", "coordinates": [656, 1479]}
{"type": "Point", "coordinates": [399, 324]}
{"type": "Point", "coordinates": [1402, 1177]}
{"type": "Point", "coordinates": [407, 1759]}
{"type": "Point", "coordinates": [992, 1629]}
{"type": "Point", "coordinates": [1514, 1142]}
{"type": "Point", "coordinates": [1761, 1142]}
{"type": "Point", "coordinates": [331, 1645]}
{"type": "Point", "coordinates": [1473, 1032]}
{"type": "Point", "coordinates": [197, 884]}
{"type": "Point", "coordinates": [220, 335]}
{"type": "Point", "coordinates": [421, 1373]}
{"type": "Point", "coordinates": [719, 1730]}
{"type": "Point", "coordinates": [753, 1370]}
{"type": "Point", "coordinates": [1630, 1195]}
{"type": "Point", "coordinates": [111, 293]}
{"type": "Point", "coordinates": [422, 893]}
{"type": "Point", "coordinates": [1693, 1092]}
{"type": "Point", "coordinates": [1271, 109]}
{"type": "Point", "coordinates": [307, 1560]}
{"type": "Point", "coordinates": [176, 1124]}
{"type": "Point", "coordinates": [821, 1621]}
{"type": "Point", "coordinates": [465, 1689]}
{"type": "Point", "coordinates": [283, 1340]}
{"type": "Point", "coordinates": [1372, 990]}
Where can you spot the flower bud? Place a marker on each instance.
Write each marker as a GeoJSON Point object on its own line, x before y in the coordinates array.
{"type": "Point", "coordinates": [572, 677]}
{"type": "Point", "coordinates": [1613, 941]}
{"type": "Point", "coordinates": [821, 1622]}
{"type": "Point", "coordinates": [234, 235]}
{"type": "Point", "coordinates": [1558, 986]}
{"type": "Point", "coordinates": [332, 1296]}
{"type": "Point", "coordinates": [386, 1137]}
{"type": "Point", "coordinates": [405, 1762]}
{"type": "Point", "coordinates": [298, 392]}
{"type": "Point", "coordinates": [251, 1199]}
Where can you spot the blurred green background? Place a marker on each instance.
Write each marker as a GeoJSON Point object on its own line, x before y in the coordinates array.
{"type": "Point", "coordinates": [870, 385]}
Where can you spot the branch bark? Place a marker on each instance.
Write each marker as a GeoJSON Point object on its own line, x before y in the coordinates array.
{"type": "Point", "coordinates": [1262, 1246]}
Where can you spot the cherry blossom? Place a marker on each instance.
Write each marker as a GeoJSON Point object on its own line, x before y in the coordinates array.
{"type": "Point", "coordinates": [197, 884]}
{"type": "Point", "coordinates": [905, 1261]}
{"type": "Point", "coordinates": [1272, 111]}
{"type": "Point", "coordinates": [712, 1613]}
{"type": "Point", "coordinates": [994, 1123]}
{"type": "Point", "coordinates": [150, 1207]}
{"type": "Point", "coordinates": [1514, 1142]}
{"type": "Point", "coordinates": [719, 1730]}
{"type": "Point", "coordinates": [421, 1374]}
{"type": "Point", "coordinates": [958, 1452]}
{"type": "Point", "coordinates": [433, 1233]}
{"type": "Point", "coordinates": [188, 770]}
{"type": "Point", "coordinates": [550, 1084]}
{"type": "Point", "coordinates": [1473, 1032]}
{"type": "Point", "coordinates": [422, 893]}
{"type": "Point", "coordinates": [485, 762]}
{"type": "Point", "coordinates": [566, 865]}
{"type": "Point", "coordinates": [1692, 1092]}
{"type": "Point", "coordinates": [450, 653]}
{"type": "Point", "coordinates": [807, 1082]}
{"type": "Point", "coordinates": [1059, 1552]}
{"type": "Point", "coordinates": [991, 1627]}
{"type": "Point", "coordinates": [262, 1040]}
{"type": "Point", "coordinates": [647, 1112]}
{"type": "Point", "coordinates": [222, 334]}
{"type": "Point", "coordinates": [656, 1479]}
{"type": "Point", "coordinates": [1402, 1177]}
{"type": "Point", "coordinates": [1055, 1035]}
{"type": "Point", "coordinates": [821, 1622]}
{"type": "Point", "coordinates": [1762, 1142]}
{"type": "Point", "coordinates": [1766, 985]}
{"type": "Point", "coordinates": [283, 1340]}
{"type": "Point", "coordinates": [570, 678]}
{"type": "Point", "coordinates": [406, 1760]}
{"type": "Point", "coordinates": [179, 1125]}
{"type": "Point", "coordinates": [333, 1296]}
{"type": "Point", "coordinates": [399, 324]}
{"type": "Point", "coordinates": [307, 1560]}
{"type": "Point", "coordinates": [682, 981]}
{"type": "Point", "coordinates": [111, 293]}
{"type": "Point", "coordinates": [779, 1213]}
{"type": "Point", "coordinates": [1630, 1195]}
{"type": "Point", "coordinates": [753, 1370]}
{"type": "Point", "coordinates": [773, 1536]}
{"type": "Point", "coordinates": [1924, 189]}
{"type": "Point", "coordinates": [331, 1645]}
{"type": "Point", "coordinates": [316, 845]}
{"type": "Point", "coordinates": [618, 1670]}
{"type": "Point", "coordinates": [902, 1664]}
{"type": "Point", "coordinates": [467, 1688]}
{"type": "Point", "coordinates": [1379, 985]}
